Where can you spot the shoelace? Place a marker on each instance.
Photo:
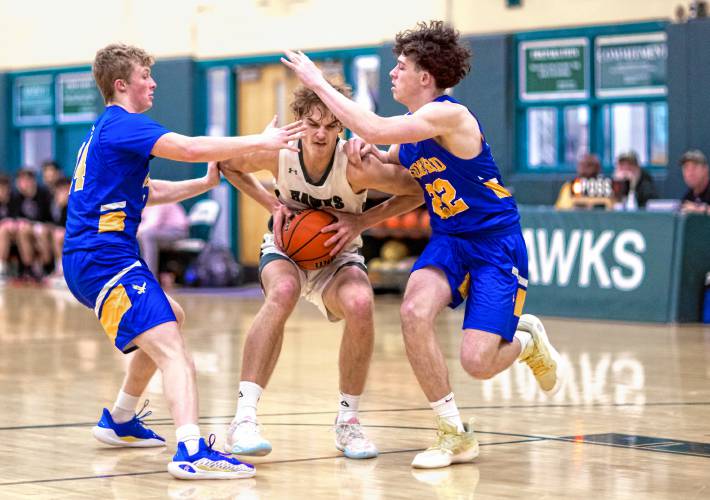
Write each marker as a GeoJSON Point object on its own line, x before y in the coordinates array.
{"type": "Point", "coordinates": [538, 365]}
{"type": "Point", "coordinates": [142, 414]}
{"type": "Point", "coordinates": [211, 439]}
{"type": "Point", "coordinates": [351, 431]}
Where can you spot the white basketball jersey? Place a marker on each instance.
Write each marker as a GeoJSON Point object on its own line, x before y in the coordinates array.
{"type": "Point", "coordinates": [298, 191]}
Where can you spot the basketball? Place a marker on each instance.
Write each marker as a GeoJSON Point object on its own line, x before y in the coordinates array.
{"type": "Point", "coordinates": [304, 243]}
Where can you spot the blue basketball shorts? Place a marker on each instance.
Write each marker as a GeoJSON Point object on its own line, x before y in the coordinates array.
{"type": "Point", "coordinates": [489, 273]}
{"type": "Point", "coordinates": [124, 294]}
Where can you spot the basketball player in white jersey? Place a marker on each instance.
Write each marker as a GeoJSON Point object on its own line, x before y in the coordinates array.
{"type": "Point", "coordinates": [318, 176]}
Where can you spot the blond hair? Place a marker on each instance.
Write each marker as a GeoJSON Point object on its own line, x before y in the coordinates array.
{"type": "Point", "coordinates": [115, 62]}
{"type": "Point", "coordinates": [305, 100]}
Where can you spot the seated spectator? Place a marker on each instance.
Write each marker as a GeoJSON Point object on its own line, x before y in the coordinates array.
{"type": "Point", "coordinates": [696, 175]}
{"type": "Point", "coordinates": [51, 173]}
{"type": "Point", "coordinates": [161, 224]}
{"type": "Point", "coordinates": [7, 225]}
{"type": "Point", "coordinates": [588, 167]}
{"type": "Point", "coordinates": [638, 184]}
{"type": "Point", "coordinates": [59, 220]}
{"type": "Point", "coordinates": [30, 204]}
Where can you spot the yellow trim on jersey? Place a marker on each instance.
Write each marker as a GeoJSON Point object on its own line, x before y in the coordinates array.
{"type": "Point", "coordinates": [115, 306]}
{"type": "Point", "coordinates": [499, 190]}
{"type": "Point", "coordinates": [112, 221]}
{"type": "Point", "coordinates": [519, 301]}
{"type": "Point", "coordinates": [464, 286]}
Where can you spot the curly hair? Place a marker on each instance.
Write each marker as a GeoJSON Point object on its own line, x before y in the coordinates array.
{"type": "Point", "coordinates": [305, 100]}
{"type": "Point", "coordinates": [115, 62]}
{"type": "Point", "coordinates": [436, 48]}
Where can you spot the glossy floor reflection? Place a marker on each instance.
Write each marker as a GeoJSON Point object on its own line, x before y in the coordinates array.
{"type": "Point", "coordinates": [631, 423]}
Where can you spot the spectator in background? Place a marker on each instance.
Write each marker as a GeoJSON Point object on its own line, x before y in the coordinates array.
{"type": "Point", "coordinates": [640, 183]}
{"type": "Point", "coordinates": [696, 175]}
{"type": "Point", "coordinates": [58, 213]}
{"type": "Point", "coordinates": [161, 224]}
{"type": "Point", "coordinates": [51, 173]}
{"type": "Point", "coordinates": [588, 167]}
{"type": "Point", "coordinates": [7, 225]}
{"type": "Point", "coordinates": [31, 204]}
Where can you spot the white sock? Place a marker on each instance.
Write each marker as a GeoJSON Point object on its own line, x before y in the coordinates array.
{"type": "Point", "coordinates": [124, 408]}
{"type": "Point", "coordinates": [524, 338]}
{"type": "Point", "coordinates": [446, 408]}
{"type": "Point", "coordinates": [3, 267]}
{"type": "Point", "coordinates": [249, 394]}
{"type": "Point", "coordinates": [190, 435]}
{"type": "Point", "coordinates": [348, 407]}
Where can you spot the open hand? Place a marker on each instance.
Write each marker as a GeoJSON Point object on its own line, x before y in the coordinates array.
{"type": "Point", "coordinates": [306, 71]}
{"type": "Point", "coordinates": [283, 137]}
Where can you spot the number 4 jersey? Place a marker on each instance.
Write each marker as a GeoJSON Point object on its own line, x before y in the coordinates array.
{"type": "Point", "coordinates": [110, 185]}
{"type": "Point", "coordinates": [464, 197]}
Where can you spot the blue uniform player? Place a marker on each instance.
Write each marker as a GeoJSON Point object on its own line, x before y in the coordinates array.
{"type": "Point", "coordinates": [476, 252]}
{"type": "Point", "coordinates": [102, 266]}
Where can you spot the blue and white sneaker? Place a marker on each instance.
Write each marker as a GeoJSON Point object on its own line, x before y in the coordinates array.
{"type": "Point", "coordinates": [352, 441]}
{"type": "Point", "coordinates": [208, 463]}
{"type": "Point", "coordinates": [132, 434]}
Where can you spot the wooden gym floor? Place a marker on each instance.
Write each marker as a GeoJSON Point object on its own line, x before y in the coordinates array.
{"type": "Point", "coordinates": [633, 421]}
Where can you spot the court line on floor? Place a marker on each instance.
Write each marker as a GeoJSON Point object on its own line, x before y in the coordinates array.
{"type": "Point", "coordinates": [275, 462]}
{"type": "Point", "coordinates": [168, 421]}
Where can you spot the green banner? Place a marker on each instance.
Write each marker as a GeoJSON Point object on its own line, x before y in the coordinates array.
{"type": "Point", "coordinates": [631, 65]}
{"type": "Point", "coordinates": [553, 69]}
{"type": "Point", "coordinates": [606, 265]}
{"type": "Point", "coordinates": [78, 99]}
{"type": "Point", "coordinates": [32, 99]}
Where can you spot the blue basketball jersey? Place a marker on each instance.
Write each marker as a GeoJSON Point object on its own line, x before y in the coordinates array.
{"type": "Point", "coordinates": [110, 185]}
{"type": "Point", "coordinates": [462, 196]}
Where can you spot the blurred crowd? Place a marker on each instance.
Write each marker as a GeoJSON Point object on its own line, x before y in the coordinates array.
{"type": "Point", "coordinates": [33, 214]}
{"type": "Point", "coordinates": [631, 187]}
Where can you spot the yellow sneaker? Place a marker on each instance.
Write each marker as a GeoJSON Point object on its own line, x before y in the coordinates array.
{"type": "Point", "coordinates": [541, 356]}
{"type": "Point", "coordinates": [452, 447]}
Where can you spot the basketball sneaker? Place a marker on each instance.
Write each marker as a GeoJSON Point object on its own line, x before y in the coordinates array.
{"type": "Point", "coordinates": [351, 440]}
{"type": "Point", "coordinates": [208, 463]}
{"type": "Point", "coordinates": [541, 356]}
{"type": "Point", "coordinates": [132, 434]}
{"type": "Point", "coordinates": [244, 438]}
{"type": "Point", "coordinates": [452, 447]}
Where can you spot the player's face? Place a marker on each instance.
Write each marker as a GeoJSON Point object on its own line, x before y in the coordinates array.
{"type": "Point", "coordinates": [140, 87]}
{"type": "Point", "coordinates": [405, 79]}
{"type": "Point", "coordinates": [322, 129]}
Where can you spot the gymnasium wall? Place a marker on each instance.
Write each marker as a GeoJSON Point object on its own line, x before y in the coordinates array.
{"type": "Point", "coordinates": [69, 33]}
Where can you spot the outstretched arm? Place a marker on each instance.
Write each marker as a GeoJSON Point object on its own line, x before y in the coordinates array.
{"type": "Point", "coordinates": [161, 191]}
{"type": "Point", "coordinates": [179, 147]}
{"type": "Point", "coordinates": [431, 120]}
{"type": "Point", "coordinates": [251, 186]}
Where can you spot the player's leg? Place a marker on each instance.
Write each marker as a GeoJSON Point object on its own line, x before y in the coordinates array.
{"type": "Point", "coordinates": [123, 426]}
{"type": "Point", "coordinates": [282, 289]}
{"type": "Point", "coordinates": [349, 296]}
{"type": "Point", "coordinates": [195, 458]}
{"type": "Point", "coordinates": [428, 292]}
{"type": "Point", "coordinates": [25, 243]}
{"type": "Point", "coordinates": [42, 236]}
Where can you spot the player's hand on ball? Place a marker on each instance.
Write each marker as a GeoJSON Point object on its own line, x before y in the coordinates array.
{"type": "Point", "coordinates": [280, 214]}
{"type": "Point", "coordinates": [346, 228]}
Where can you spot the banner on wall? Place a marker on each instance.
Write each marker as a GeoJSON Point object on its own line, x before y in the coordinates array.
{"type": "Point", "coordinates": [554, 69]}
{"type": "Point", "coordinates": [78, 99]}
{"type": "Point", "coordinates": [631, 65]}
{"type": "Point", "coordinates": [32, 100]}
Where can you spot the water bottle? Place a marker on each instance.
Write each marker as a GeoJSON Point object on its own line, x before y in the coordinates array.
{"type": "Point", "coordinates": [706, 300]}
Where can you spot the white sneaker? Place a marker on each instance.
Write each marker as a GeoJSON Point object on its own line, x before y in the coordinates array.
{"type": "Point", "coordinates": [351, 440]}
{"type": "Point", "coordinates": [244, 438]}
{"type": "Point", "coordinates": [541, 356]}
{"type": "Point", "coordinates": [452, 447]}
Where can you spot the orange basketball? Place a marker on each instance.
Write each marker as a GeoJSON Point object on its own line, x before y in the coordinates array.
{"type": "Point", "coordinates": [303, 241]}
